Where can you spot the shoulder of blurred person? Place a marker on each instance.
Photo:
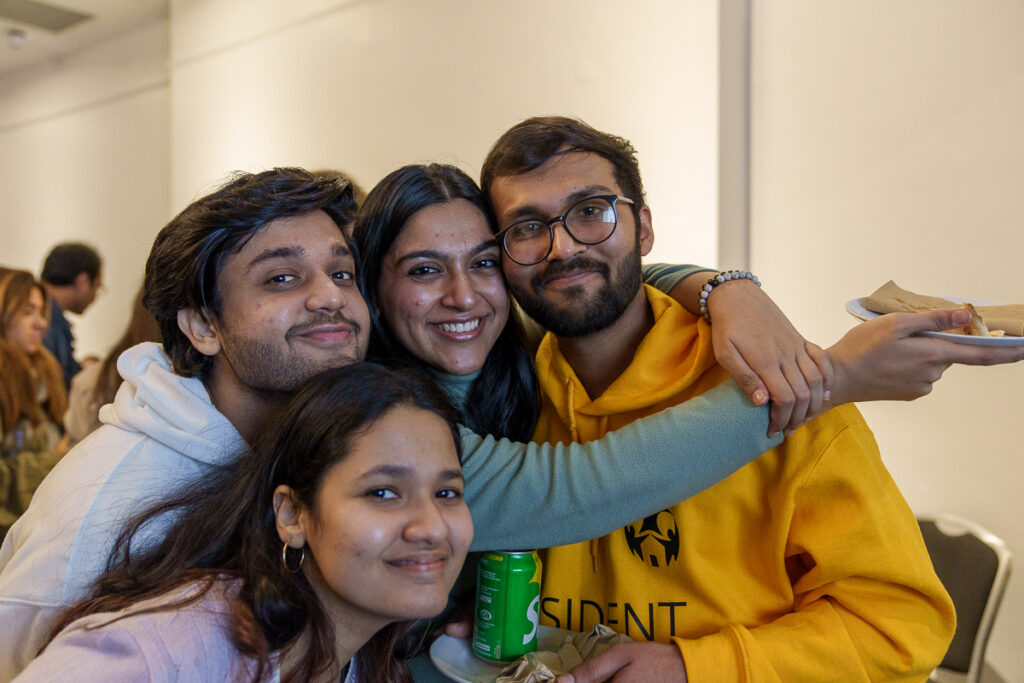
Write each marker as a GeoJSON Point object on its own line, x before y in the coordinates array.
{"type": "Point", "coordinates": [82, 415]}
{"type": "Point", "coordinates": [60, 342]}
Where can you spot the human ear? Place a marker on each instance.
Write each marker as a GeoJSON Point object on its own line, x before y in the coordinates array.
{"type": "Point", "coordinates": [200, 331]}
{"type": "Point", "coordinates": [646, 233]}
{"type": "Point", "coordinates": [289, 517]}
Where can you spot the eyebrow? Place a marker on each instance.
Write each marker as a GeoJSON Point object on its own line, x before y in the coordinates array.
{"type": "Point", "coordinates": [448, 475]}
{"type": "Point", "coordinates": [293, 251]}
{"type": "Point", "coordinates": [406, 470]}
{"type": "Point", "coordinates": [432, 253]}
{"type": "Point", "coordinates": [577, 195]}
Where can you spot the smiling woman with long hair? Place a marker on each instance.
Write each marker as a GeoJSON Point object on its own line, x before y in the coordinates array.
{"type": "Point", "coordinates": [344, 521]}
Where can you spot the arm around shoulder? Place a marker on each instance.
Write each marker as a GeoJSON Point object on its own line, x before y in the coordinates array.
{"type": "Point", "coordinates": [575, 492]}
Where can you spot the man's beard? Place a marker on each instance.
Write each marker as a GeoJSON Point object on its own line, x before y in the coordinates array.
{"type": "Point", "coordinates": [267, 367]}
{"type": "Point", "coordinates": [584, 316]}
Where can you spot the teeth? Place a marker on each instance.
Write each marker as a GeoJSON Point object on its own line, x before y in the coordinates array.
{"type": "Point", "coordinates": [461, 327]}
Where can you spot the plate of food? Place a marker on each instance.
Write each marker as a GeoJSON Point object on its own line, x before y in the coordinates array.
{"type": "Point", "coordinates": [857, 309]}
{"type": "Point", "coordinates": [455, 659]}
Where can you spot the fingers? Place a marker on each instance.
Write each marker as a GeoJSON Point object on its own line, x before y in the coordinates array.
{"type": "Point", "coordinates": [935, 321]}
{"type": "Point", "coordinates": [459, 629]}
{"type": "Point", "coordinates": [825, 368]}
{"type": "Point", "coordinates": [982, 355]}
{"type": "Point", "coordinates": [800, 393]}
{"type": "Point", "coordinates": [734, 363]}
{"type": "Point", "coordinates": [812, 376]}
{"type": "Point", "coordinates": [600, 668]}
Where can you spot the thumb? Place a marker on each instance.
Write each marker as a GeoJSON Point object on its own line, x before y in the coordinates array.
{"type": "Point", "coordinates": [936, 321]}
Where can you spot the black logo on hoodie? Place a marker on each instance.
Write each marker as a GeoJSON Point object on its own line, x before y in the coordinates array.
{"type": "Point", "coordinates": [655, 539]}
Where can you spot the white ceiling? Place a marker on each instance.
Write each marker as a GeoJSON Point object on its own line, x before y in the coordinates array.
{"type": "Point", "coordinates": [108, 18]}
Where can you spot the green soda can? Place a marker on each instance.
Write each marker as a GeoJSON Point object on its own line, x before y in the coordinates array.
{"type": "Point", "coordinates": [507, 605]}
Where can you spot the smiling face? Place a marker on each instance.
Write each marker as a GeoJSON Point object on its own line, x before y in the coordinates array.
{"type": "Point", "coordinates": [389, 528]}
{"type": "Point", "coordinates": [28, 324]}
{"type": "Point", "coordinates": [441, 288]}
{"type": "Point", "coordinates": [289, 306]}
{"type": "Point", "coordinates": [577, 289]}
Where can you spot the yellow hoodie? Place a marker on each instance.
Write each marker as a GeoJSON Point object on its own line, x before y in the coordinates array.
{"type": "Point", "coordinates": [805, 565]}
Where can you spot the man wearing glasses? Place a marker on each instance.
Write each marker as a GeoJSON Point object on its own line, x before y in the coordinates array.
{"type": "Point", "coordinates": [805, 565]}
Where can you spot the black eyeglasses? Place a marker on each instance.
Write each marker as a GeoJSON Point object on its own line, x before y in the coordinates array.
{"type": "Point", "coordinates": [589, 221]}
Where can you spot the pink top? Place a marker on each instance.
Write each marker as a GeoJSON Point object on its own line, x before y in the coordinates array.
{"type": "Point", "coordinates": [190, 643]}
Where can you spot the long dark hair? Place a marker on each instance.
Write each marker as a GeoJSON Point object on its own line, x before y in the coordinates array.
{"type": "Point", "coordinates": [503, 399]}
{"type": "Point", "coordinates": [226, 528]}
{"type": "Point", "coordinates": [20, 369]}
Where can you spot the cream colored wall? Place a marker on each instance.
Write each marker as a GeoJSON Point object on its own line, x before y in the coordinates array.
{"type": "Point", "coordinates": [369, 86]}
{"type": "Point", "coordinates": [884, 145]}
{"type": "Point", "coordinates": [84, 156]}
{"type": "Point", "coordinates": [887, 144]}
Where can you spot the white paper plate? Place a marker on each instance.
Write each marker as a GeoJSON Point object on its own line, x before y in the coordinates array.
{"type": "Point", "coordinates": [855, 307]}
{"type": "Point", "coordinates": [455, 659]}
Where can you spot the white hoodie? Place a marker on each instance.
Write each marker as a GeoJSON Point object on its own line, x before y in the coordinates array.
{"type": "Point", "coordinates": [161, 431]}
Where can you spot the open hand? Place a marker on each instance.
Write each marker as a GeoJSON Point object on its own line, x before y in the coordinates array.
{"type": "Point", "coordinates": [886, 358]}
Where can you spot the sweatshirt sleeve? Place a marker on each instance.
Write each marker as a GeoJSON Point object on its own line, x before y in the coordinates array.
{"type": "Point", "coordinates": [878, 615]}
{"type": "Point", "coordinates": [96, 656]}
{"type": "Point", "coordinates": [665, 276]}
{"type": "Point", "coordinates": [542, 495]}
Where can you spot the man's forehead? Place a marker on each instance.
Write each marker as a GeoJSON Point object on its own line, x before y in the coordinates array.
{"type": "Point", "coordinates": [307, 231]}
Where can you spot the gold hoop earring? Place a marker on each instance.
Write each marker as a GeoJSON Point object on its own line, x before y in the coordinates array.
{"type": "Point", "coordinates": [284, 558]}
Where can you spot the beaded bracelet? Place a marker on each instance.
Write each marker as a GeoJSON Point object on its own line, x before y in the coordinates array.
{"type": "Point", "coordinates": [724, 276]}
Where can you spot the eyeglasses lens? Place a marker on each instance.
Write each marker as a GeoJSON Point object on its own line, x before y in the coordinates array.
{"type": "Point", "coordinates": [590, 221]}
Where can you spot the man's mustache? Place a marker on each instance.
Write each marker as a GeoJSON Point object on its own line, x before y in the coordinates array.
{"type": "Point", "coordinates": [580, 264]}
{"type": "Point", "coordinates": [334, 320]}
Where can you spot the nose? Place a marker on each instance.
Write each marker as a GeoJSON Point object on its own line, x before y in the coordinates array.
{"type": "Point", "coordinates": [459, 293]}
{"type": "Point", "coordinates": [325, 294]}
{"type": "Point", "coordinates": [563, 246]}
{"type": "Point", "coordinates": [426, 524]}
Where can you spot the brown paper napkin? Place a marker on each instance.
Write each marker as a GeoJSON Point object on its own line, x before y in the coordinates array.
{"type": "Point", "coordinates": [891, 298]}
{"type": "Point", "coordinates": [542, 666]}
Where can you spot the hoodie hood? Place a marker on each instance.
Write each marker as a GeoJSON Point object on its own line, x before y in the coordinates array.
{"type": "Point", "coordinates": [173, 410]}
{"type": "Point", "coordinates": [674, 357]}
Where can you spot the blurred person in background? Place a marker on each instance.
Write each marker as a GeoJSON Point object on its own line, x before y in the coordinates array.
{"type": "Point", "coordinates": [72, 275]}
{"type": "Point", "coordinates": [32, 396]}
{"type": "Point", "coordinates": [97, 383]}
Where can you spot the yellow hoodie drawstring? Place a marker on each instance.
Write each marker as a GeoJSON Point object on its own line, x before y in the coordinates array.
{"type": "Point", "coordinates": [570, 388]}
{"type": "Point", "coordinates": [571, 391]}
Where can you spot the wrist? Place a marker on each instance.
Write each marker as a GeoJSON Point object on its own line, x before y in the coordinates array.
{"type": "Point", "coordinates": [842, 389]}
{"type": "Point", "coordinates": [728, 277]}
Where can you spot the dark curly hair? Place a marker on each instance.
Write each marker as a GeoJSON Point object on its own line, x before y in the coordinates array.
{"type": "Point", "coordinates": [190, 250]}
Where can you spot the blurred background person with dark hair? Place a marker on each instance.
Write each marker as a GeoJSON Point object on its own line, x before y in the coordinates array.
{"type": "Point", "coordinates": [32, 396]}
{"type": "Point", "coordinates": [72, 275]}
{"type": "Point", "coordinates": [97, 383]}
